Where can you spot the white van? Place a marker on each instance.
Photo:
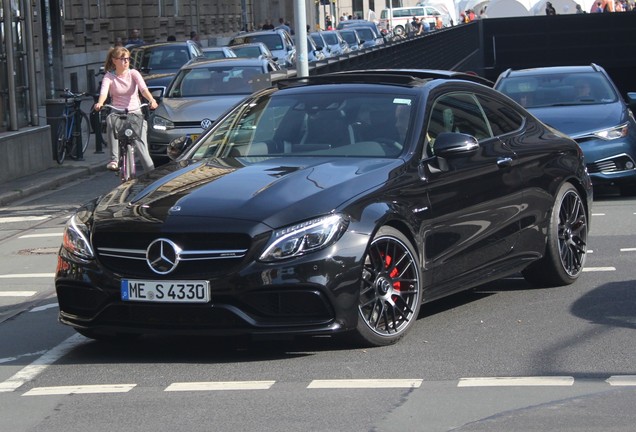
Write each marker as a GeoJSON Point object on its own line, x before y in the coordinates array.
{"type": "Point", "coordinates": [402, 15]}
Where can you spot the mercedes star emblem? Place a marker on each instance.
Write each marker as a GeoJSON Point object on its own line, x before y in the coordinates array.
{"type": "Point", "coordinates": [162, 256]}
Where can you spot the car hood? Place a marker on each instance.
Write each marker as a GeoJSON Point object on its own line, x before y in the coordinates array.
{"type": "Point", "coordinates": [275, 191]}
{"type": "Point", "coordinates": [196, 109]}
{"type": "Point", "coordinates": [577, 120]}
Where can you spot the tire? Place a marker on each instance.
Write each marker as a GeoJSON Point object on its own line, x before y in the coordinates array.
{"type": "Point", "coordinates": [60, 143]}
{"type": "Point", "coordinates": [390, 290]}
{"type": "Point", "coordinates": [566, 244]}
{"type": "Point", "coordinates": [85, 131]}
{"type": "Point", "coordinates": [84, 135]}
{"type": "Point", "coordinates": [399, 31]}
{"type": "Point", "coordinates": [127, 167]}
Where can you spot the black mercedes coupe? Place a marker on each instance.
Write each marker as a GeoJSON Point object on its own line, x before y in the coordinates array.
{"type": "Point", "coordinates": [330, 204]}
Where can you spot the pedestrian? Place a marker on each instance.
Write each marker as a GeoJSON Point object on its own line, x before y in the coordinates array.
{"type": "Point", "coordinates": [194, 37]}
{"type": "Point", "coordinates": [268, 25]}
{"type": "Point", "coordinates": [282, 25]}
{"type": "Point", "coordinates": [123, 85]}
{"type": "Point", "coordinates": [118, 42]}
{"type": "Point", "coordinates": [134, 38]}
{"type": "Point", "coordinates": [549, 9]}
{"type": "Point", "coordinates": [579, 10]}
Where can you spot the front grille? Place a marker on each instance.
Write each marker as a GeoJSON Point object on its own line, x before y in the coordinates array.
{"type": "Point", "coordinates": [203, 255]}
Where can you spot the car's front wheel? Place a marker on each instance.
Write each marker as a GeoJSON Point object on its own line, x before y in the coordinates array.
{"type": "Point", "coordinates": [566, 243]}
{"type": "Point", "coordinates": [390, 289]}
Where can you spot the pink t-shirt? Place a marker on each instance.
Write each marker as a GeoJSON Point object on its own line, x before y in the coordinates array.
{"type": "Point", "coordinates": [124, 89]}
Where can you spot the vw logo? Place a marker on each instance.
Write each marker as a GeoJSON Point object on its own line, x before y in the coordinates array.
{"type": "Point", "coordinates": [162, 256]}
{"type": "Point", "coordinates": [206, 123]}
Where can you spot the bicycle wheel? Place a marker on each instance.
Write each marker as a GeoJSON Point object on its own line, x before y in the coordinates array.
{"type": "Point", "coordinates": [127, 163]}
{"type": "Point", "coordinates": [60, 144]}
{"type": "Point", "coordinates": [84, 134]}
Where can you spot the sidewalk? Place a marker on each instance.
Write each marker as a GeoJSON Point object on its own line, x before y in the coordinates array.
{"type": "Point", "coordinates": [55, 175]}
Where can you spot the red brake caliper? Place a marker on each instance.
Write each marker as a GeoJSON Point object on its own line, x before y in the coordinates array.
{"type": "Point", "coordinates": [394, 272]}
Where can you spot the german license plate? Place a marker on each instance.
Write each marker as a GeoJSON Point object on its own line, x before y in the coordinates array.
{"type": "Point", "coordinates": [192, 291]}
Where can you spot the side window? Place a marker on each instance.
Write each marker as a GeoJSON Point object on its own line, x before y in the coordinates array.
{"type": "Point", "coordinates": [457, 112]}
{"type": "Point", "coordinates": [502, 118]}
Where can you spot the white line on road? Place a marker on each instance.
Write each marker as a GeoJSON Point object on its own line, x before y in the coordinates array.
{"type": "Point", "coordinates": [57, 234]}
{"type": "Point", "coordinates": [44, 307]}
{"type": "Point", "coordinates": [365, 383]}
{"type": "Point", "coordinates": [625, 380]}
{"type": "Point", "coordinates": [516, 381]}
{"type": "Point", "coordinates": [598, 214]}
{"type": "Point", "coordinates": [29, 372]}
{"type": "Point", "coordinates": [599, 269]}
{"type": "Point", "coordinates": [12, 219]}
{"type": "Point", "coordinates": [220, 385]}
{"type": "Point", "coordinates": [27, 275]}
{"type": "Point", "coordinates": [80, 389]}
{"type": "Point", "coordinates": [628, 249]}
{"type": "Point", "coordinates": [17, 293]}
{"type": "Point", "coordinates": [11, 359]}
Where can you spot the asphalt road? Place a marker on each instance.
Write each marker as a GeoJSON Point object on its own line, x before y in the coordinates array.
{"type": "Point", "coordinates": [503, 357]}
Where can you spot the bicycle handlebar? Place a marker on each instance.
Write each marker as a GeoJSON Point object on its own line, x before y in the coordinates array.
{"type": "Point", "coordinates": [124, 110]}
{"type": "Point", "coordinates": [68, 94]}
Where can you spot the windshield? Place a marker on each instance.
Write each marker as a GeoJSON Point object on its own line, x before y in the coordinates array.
{"type": "Point", "coordinates": [558, 89]}
{"type": "Point", "coordinates": [365, 33]}
{"type": "Point", "coordinates": [328, 124]}
{"type": "Point", "coordinates": [248, 51]}
{"type": "Point", "coordinates": [349, 37]}
{"type": "Point", "coordinates": [218, 80]}
{"type": "Point", "coordinates": [330, 38]}
{"type": "Point", "coordinates": [272, 41]}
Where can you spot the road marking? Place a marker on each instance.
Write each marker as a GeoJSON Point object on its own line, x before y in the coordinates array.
{"type": "Point", "coordinates": [365, 383]}
{"type": "Point", "coordinates": [45, 307]}
{"type": "Point", "coordinates": [628, 249]}
{"type": "Point", "coordinates": [12, 219]}
{"type": "Point", "coordinates": [598, 214]}
{"type": "Point", "coordinates": [59, 234]}
{"type": "Point", "coordinates": [27, 275]}
{"type": "Point", "coordinates": [625, 380]}
{"type": "Point", "coordinates": [10, 359]}
{"type": "Point", "coordinates": [80, 389]}
{"type": "Point", "coordinates": [599, 269]}
{"type": "Point", "coordinates": [29, 372]}
{"type": "Point", "coordinates": [220, 385]}
{"type": "Point", "coordinates": [516, 381]}
{"type": "Point", "coordinates": [17, 293]}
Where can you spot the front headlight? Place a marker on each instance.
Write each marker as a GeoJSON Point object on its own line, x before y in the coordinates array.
{"type": "Point", "coordinates": [613, 133]}
{"type": "Point", "coordinates": [161, 123]}
{"type": "Point", "coordinates": [305, 237]}
{"type": "Point", "coordinates": [75, 238]}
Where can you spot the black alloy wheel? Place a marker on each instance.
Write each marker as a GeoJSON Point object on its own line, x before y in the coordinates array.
{"type": "Point", "coordinates": [566, 246]}
{"type": "Point", "coordinates": [390, 291]}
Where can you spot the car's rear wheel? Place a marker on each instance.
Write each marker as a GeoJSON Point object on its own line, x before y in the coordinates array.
{"type": "Point", "coordinates": [390, 290]}
{"type": "Point", "coordinates": [566, 244]}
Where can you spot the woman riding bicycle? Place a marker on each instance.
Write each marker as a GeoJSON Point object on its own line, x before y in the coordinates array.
{"type": "Point", "coordinates": [124, 85]}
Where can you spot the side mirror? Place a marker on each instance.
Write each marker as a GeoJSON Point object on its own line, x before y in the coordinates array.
{"type": "Point", "coordinates": [451, 145]}
{"type": "Point", "coordinates": [177, 146]}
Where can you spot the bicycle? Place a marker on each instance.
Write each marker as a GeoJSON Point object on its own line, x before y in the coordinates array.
{"type": "Point", "coordinates": [127, 130]}
{"type": "Point", "coordinates": [74, 128]}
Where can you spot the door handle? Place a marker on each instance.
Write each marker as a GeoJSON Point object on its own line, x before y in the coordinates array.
{"type": "Point", "coordinates": [504, 162]}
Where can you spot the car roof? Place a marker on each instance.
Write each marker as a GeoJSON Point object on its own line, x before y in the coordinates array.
{"type": "Point", "coordinates": [550, 70]}
{"type": "Point", "coordinates": [161, 44]}
{"type": "Point", "coordinates": [402, 77]}
{"type": "Point", "coordinates": [237, 61]}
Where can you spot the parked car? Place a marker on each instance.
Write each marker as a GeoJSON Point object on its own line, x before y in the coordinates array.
{"type": "Point", "coordinates": [583, 102]}
{"type": "Point", "coordinates": [352, 38]}
{"type": "Point", "coordinates": [368, 38]}
{"type": "Point", "coordinates": [314, 53]}
{"type": "Point", "coordinates": [337, 45]}
{"type": "Point", "coordinates": [253, 50]}
{"type": "Point", "coordinates": [320, 42]}
{"type": "Point", "coordinates": [159, 62]}
{"type": "Point", "coordinates": [330, 204]}
{"type": "Point", "coordinates": [279, 42]}
{"type": "Point", "coordinates": [218, 52]}
{"type": "Point", "coordinates": [200, 93]}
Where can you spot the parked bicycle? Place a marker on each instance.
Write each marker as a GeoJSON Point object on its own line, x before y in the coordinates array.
{"type": "Point", "coordinates": [73, 132]}
{"type": "Point", "coordinates": [127, 129]}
